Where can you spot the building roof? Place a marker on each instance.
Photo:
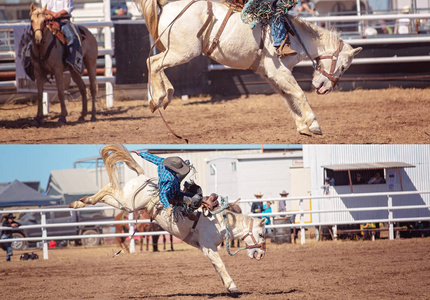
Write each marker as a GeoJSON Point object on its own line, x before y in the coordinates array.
{"type": "Point", "coordinates": [368, 166]}
{"type": "Point", "coordinates": [72, 181]}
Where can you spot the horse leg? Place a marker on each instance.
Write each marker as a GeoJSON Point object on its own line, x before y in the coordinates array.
{"type": "Point", "coordinates": [219, 266]}
{"type": "Point", "coordinates": [147, 243]}
{"type": "Point", "coordinates": [91, 65]}
{"type": "Point", "coordinates": [82, 89]}
{"type": "Point", "coordinates": [171, 242]}
{"type": "Point", "coordinates": [155, 243]}
{"type": "Point", "coordinates": [295, 99]}
{"type": "Point", "coordinates": [107, 194]}
{"type": "Point", "coordinates": [161, 86]}
{"type": "Point", "coordinates": [60, 88]}
{"type": "Point", "coordinates": [39, 117]}
{"type": "Point", "coordinates": [164, 242]}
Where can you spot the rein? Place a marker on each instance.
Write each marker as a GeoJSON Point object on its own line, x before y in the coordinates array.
{"type": "Point", "coordinates": [317, 67]}
{"type": "Point", "coordinates": [149, 64]}
{"type": "Point", "coordinates": [144, 184]}
{"type": "Point", "coordinates": [261, 245]}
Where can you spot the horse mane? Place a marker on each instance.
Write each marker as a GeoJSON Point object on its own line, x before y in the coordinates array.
{"type": "Point", "coordinates": [112, 154]}
{"type": "Point", "coordinates": [318, 33]}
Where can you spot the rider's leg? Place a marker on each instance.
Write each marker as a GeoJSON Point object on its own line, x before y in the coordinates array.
{"type": "Point", "coordinates": [74, 48]}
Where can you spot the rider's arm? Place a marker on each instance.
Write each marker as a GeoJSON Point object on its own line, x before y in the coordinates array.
{"type": "Point", "coordinates": [164, 198]}
{"type": "Point", "coordinates": [151, 157]}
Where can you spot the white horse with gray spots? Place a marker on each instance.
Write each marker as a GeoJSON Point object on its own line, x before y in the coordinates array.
{"type": "Point", "coordinates": [206, 234]}
{"type": "Point", "coordinates": [186, 28]}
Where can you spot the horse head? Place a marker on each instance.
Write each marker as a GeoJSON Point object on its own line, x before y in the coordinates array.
{"type": "Point", "coordinates": [37, 17]}
{"type": "Point", "coordinates": [255, 240]}
{"type": "Point", "coordinates": [331, 67]}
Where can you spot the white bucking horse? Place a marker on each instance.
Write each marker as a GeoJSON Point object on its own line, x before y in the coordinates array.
{"type": "Point", "coordinates": [186, 28]}
{"type": "Point", "coordinates": [206, 234]}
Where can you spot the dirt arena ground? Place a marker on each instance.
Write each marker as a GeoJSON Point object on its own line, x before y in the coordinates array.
{"type": "Point", "coordinates": [383, 269]}
{"type": "Point", "coordinates": [394, 116]}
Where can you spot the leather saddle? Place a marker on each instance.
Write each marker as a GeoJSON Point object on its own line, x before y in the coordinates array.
{"type": "Point", "coordinates": [55, 27]}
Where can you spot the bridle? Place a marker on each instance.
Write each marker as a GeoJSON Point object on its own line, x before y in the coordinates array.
{"type": "Point", "coordinates": [261, 245]}
{"type": "Point", "coordinates": [334, 58]}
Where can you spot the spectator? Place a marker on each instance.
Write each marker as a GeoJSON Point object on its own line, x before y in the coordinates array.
{"type": "Point", "coordinates": [376, 179]}
{"type": "Point", "coordinates": [326, 186]}
{"type": "Point", "coordinates": [118, 9]}
{"type": "Point", "coordinates": [403, 25]}
{"type": "Point", "coordinates": [358, 179]}
{"type": "Point", "coordinates": [267, 209]}
{"type": "Point", "coordinates": [7, 234]}
{"type": "Point", "coordinates": [282, 204]}
{"type": "Point", "coordinates": [257, 207]}
{"type": "Point", "coordinates": [305, 8]}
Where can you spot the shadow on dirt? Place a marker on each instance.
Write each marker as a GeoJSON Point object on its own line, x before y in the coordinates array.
{"type": "Point", "coordinates": [213, 295]}
{"type": "Point", "coordinates": [51, 120]}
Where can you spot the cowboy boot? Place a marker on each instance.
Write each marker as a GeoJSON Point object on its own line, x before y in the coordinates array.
{"type": "Point", "coordinates": [285, 49]}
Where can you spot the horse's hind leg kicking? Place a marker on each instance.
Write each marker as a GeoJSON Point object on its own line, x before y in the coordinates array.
{"type": "Point", "coordinates": [295, 99]}
{"type": "Point", "coordinates": [219, 266]}
{"type": "Point", "coordinates": [108, 195]}
{"type": "Point", "coordinates": [161, 87]}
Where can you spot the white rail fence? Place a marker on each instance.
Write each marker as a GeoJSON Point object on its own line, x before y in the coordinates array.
{"type": "Point", "coordinates": [300, 224]}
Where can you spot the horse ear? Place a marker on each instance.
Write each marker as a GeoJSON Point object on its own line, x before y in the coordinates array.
{"type": "Point", "coordinates": [355, 51]}
{"type": "Point", "coordinates": [44, 8]}
{"type": "Point", "coordinates": [32, 8]}
{"type": "Point", "coordinates": [262, 222]}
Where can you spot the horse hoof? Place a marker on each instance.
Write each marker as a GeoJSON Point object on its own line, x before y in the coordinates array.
{"type": "Point", "coordinates": [315, 128]}
{"type": "Point", "coordinates": [93, 119]}
{"type": "Point", "coordinates": [233, 289]}
{"type": "Point", "coordinates": [37, 121]}
{"type": "Point", "coordinates": [305, 131]}
{"type": "Point", "coordinates": [62, 120]}
{"type": "Point", "coordinates": [81, 119]}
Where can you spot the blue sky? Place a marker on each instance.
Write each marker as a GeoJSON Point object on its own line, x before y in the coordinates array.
{"type": "Point", "coordinates": [35, 162]}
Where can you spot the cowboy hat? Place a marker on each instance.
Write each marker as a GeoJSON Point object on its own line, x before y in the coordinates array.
{"type": "Point", "coordinates": [284, 193]}
{"type": "Point", "coordinates": [177, 165]}
{"type": "Point", "coordinates": [259, 194]}
{"type": "Point", "coordinates": [10, 216]}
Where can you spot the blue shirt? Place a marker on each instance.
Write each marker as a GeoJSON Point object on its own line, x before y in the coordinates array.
{"type": "Point", "coordinates": [266, 209]}
{"type": "Point", "coordinates": [168, 183]}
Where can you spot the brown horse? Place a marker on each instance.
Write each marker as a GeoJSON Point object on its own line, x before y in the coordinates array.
{"type": "Point", "coordinates": [141, 227]}
{"type": "Point", "coordinates": [148, 227]}
{"type": "Point", "coordinates": [47, 54]}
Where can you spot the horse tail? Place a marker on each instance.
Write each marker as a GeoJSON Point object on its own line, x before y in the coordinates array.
{"type": "Point", "coordinates": [112, 154]}
{"type": "Point", "coordinates": [149, 10]}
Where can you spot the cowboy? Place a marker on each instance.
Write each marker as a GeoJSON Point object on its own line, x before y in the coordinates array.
{"type": "Point", "coordinates": [282, 204]}
{"type": "Point", "coordinates": [7, 234]}
{"type": "Point", "coordinates": [59, 10]}
{"type": "Point", "coordinates": [171, 171]}
{"type": "Point", "coordinates": [257, 207]}
{"type": "Point", "coordinates": [281, 39]}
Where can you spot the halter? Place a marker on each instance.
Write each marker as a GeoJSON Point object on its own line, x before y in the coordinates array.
{"type": "Point", "coordinates": [261, 245]}
{"type": "Point", "coordinates": [334, 57]}
{"type": "Point", "coordinates": [316, 66]}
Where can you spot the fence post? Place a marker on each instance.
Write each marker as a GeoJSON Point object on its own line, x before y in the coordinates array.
{"type": "Point", "coordinates": [44, 234]}
{"type": "Point", "coordinates": [131, 231]}
{"type": "Point", "coordinates": [108, 57]}
{"type": "Point", "coordinates": [302, 222]}
{"type": "Point", "coordinates": [390, 218]}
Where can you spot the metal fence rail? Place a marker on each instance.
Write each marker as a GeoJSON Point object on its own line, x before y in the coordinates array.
{"type": "Point", "coordinates": [390, 220]}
